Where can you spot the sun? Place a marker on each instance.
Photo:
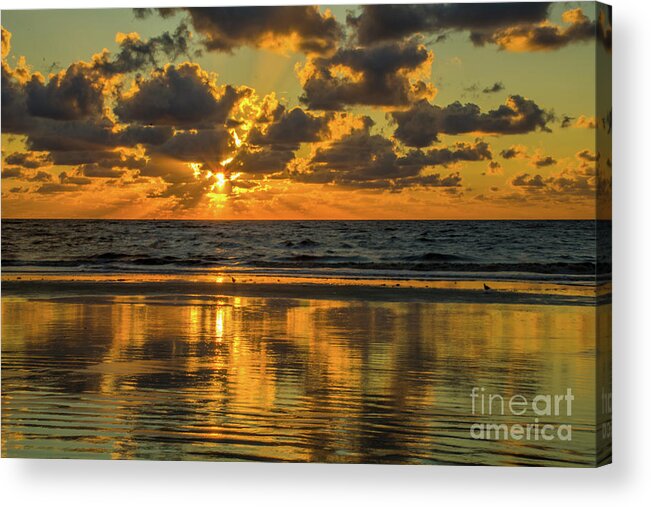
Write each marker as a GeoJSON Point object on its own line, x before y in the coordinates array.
{"type": "Point", "coordinates": [220, 180]}
{"type": "Point", "coordinates": [220, 183]}
{"type": "Point", "coordinates": [219, 190]}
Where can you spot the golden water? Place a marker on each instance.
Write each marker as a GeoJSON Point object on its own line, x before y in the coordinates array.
{"type": "Point", "coordinates": [228, 378]}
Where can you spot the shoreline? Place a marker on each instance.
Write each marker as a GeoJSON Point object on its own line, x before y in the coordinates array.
{"type": "Point", "coordinates": [72, 286]}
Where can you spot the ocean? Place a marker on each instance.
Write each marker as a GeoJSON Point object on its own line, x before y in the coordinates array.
{"type": "Point", "coordinates": [555, 251]}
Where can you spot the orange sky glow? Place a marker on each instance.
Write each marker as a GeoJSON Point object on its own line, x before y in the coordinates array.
{"type": "Point", "coordinates": [306, 113]}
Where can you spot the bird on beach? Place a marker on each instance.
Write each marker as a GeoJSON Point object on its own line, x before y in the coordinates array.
{"type": "Point", "coordinates": [486, 287]}
{"type": "Point", "coordinates": [233, 279]}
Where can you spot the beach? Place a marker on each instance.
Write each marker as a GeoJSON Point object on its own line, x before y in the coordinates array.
{"type": "Point", "coordinates": [320, 341]}
{"type": "Point", "coordinates": [223, 367]}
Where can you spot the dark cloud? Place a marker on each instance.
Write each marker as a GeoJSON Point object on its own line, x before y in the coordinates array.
{"type": "Point", "coordinates": [12, 172]}
{"type": "Point", "coordinates": [303, 27]}
{"type": "Point", "coordinates": [510, 26]}
{"type": "Point", "coordinates": [362, 159]}
{"type": "Point", "coordinates": [512, 197]}
{"type": "Point", "coordinates": [96, 149]}
{"type": "Point", "coordinates": [99, 171]}
{"type": "Point", "coordinates": [292, 128]}
{"type": "Point", "coordinates": [544, 36]}
{"type": "Point", "coordinates": [432, 180]}
{"type": "Point", "coordinates": [267, 160]}
{"type": "Point", "coordinates": [392, 22]}
{"type": "Point", "coordinates": [573, 184]}
{"type": "Point", "coordinates": [57, 188]}
{"type": "Point", "coordinates": [543, 161]}
{"type": "Point", "coordinates": [177, 113]}
{"type": "Point", "coordinates": [460, 152]}
{"type": "Point", "coordinates": [73, 179]}
{"type": "Point", "coordinates": [32, 105]}
{"type": "Point", "coordinates": [183, 96]}
{"type": "Point", "coordinates": [40, 176]}
{"type": "Point", "coordinates": [494, 167]}
{"type": "Point", "coordinates": [15, 118]}
{"type": "Point", "coordinates": [28, 159]}
{"type": "Point", "coordinates": [151, 135]}
{"type": "Point", "coordinates": [66, 113]}
{"type": "Point", "coordinates": [448, 182]}
{"type": "Point", "coordinates": [526, 180]}
{"type": "Point", "coordinates": [72, 94]}
{"type": "Point", "coordinates": [185, 194]}
{"type": "Point", "coordinates": [112, 166]}
{"type": "Point", "coordinates": [181, 187]}
{"type": "Point", "coordinates": [208, 146]}
{"type": "Point", "coordinates": [587, 156]}
{"type": "Point", "coordinates": [136, 54]}
{"type": "Point", "coordinates": [167, 169]}
{"type": "Point", "coordinates": [271, 145]}
{"type": "Point", "coordinates": [515, 151]}
{"type": "Point", "coordinates": [568, 183]}
{"type": "Point", "coordinates": [73, 135]}
{"type": "Point", "coordinates": [387, 74]}
{"type": "Point", "coordinates": [496, 87]}
{"type": "Point", "coordinates": [66, 182]}
{"type": "Point", "coordinates": [359, 156]}
{"type": "Point", "coordinates": [566, 121]}
{"type": "Point", "coordinates": [421, 125]}
{"type": "Point", "coordinates": [77, 92]}
{"type": "Point", "coordinates": [103, 157]}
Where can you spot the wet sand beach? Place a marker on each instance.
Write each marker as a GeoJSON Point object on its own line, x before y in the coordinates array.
{"type": "Point", "coordinates": [130, 367]}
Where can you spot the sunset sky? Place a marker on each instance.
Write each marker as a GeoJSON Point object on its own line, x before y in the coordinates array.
{"type": "Point", "coordinates": [342, 112]}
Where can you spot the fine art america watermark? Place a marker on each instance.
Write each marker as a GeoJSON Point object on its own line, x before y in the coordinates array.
{"type": "Point", "coordinates": [493, 408]}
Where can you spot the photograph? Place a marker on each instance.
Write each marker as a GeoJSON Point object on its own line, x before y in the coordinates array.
{"type": "Point", "coordinates": [343, 234]}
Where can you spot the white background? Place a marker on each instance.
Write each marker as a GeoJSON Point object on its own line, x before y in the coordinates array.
{"type": "Point", "coordinates": [627, 481]}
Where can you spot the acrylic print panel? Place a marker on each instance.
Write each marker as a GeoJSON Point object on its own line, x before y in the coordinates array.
{"type": "Point", "coordinates": [345, 234]}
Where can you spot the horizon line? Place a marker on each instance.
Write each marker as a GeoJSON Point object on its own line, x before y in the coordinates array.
{"type": "Point", "coordinates": [594, 219]}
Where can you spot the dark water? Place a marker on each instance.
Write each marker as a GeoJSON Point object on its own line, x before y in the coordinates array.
{"type": "Point", "coordinates": [230, 378]}
{"type": "Point", "coordinates": [546, 250]}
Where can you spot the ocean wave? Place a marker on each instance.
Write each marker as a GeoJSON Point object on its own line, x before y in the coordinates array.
{"type": "Point", "coordinates": [551, 249]}
{"type": "Point", "coordinates": [436, 257]}
{"type": "Point", "coordinates": [308, 261]}
{"type": "Point", "coordinates": [305, 243]}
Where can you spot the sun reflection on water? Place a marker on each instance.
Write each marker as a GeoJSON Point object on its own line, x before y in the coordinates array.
{"type": "Point", "coordinates": [198, 377]}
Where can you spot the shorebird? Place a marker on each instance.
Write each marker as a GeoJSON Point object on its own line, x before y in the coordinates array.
{"type": "Point", "coordinates": [486, 287]}
{"type": "Point", "coordinates": [233, 279]}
